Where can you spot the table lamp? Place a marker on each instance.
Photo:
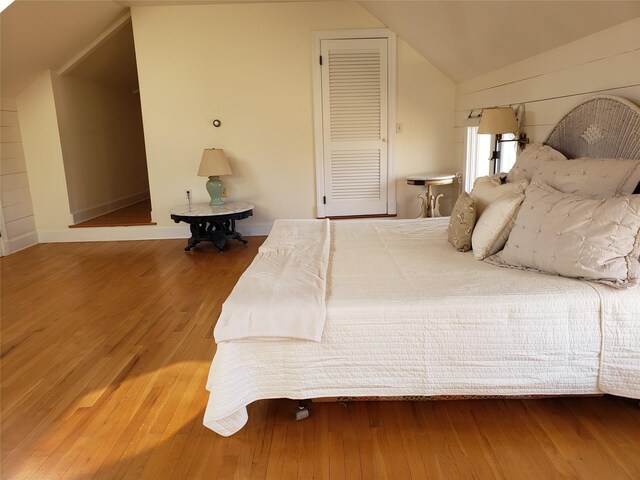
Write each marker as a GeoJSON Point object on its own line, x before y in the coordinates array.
{"type": "Point", "coordinates": [497, 121]}
{"type": "Point", "coordinates": [214, 164]}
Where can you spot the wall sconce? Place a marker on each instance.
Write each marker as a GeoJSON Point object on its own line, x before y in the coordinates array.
{"type": "Point", "coordinates": [497, 121]}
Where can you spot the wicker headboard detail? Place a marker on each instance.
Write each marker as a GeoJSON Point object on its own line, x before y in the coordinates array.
{"type": "Point", "coordinates": [604, 126]}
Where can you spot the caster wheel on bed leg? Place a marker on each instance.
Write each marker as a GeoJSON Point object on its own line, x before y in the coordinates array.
{"type": "Point", "coordinates": [301, 412]}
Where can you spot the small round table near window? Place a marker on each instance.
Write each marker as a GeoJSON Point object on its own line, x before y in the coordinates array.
{"type": "Point", "coordinates": [430, 204]}
{"type": "Point", "coordinates": [212, 222]}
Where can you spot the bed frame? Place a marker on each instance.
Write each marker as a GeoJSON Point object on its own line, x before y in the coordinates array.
{"type": "Point", "coordinates": [604, 126]}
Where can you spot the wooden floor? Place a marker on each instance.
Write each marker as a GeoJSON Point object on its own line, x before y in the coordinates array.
{"type": "Point", "coordinates": [136, 214]}
{"type": "Point", "coordinates": [105, 353]}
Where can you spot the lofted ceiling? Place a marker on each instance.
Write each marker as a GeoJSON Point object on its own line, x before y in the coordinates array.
{"type": "Point", "coordinates": [39, 35]}
{"type": "Point", "coordinates": [464, 39]}
{"type": "Point", "coordinates": [113, 62]}
{"type": "Point", "coordinates": [461, 38]}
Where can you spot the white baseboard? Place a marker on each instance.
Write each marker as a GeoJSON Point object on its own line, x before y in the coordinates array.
{"type": "Point", "coordinates": [143, 232]}
{"type": "Point", "coordinates": [93, 212]}
{"type": "Point", "coordinates": [21, 242]}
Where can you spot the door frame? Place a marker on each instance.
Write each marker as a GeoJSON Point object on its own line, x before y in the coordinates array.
{"type": "Point", "coordinates": [316, 76]}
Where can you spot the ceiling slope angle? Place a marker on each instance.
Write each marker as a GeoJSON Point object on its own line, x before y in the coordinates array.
{"type": "Point", "coordinates": [467, 39]}
{"type": "Point", "coordinates": [41, 35]}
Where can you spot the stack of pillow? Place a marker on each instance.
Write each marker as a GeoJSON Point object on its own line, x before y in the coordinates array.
{"type": "Point", "coordinates": [577, 218]}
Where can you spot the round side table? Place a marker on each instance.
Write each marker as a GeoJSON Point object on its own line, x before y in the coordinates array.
{"type": "Point", "coordinates": [213, 223]}
{"type": "Point", "coordinates": [430, 205]}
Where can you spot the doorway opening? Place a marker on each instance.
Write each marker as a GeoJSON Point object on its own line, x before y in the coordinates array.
{"type": "Point", "coordinates": [100, 121]}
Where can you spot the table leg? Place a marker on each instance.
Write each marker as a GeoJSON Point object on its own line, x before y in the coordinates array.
{"type": "Point", "coordinates": [217, 233]}
{"type": "Point", "coordinates": [430, 205]}
{"type": "Point", "coordinates": [236, 235]}
{"type": "Point", "coordinates": [436, 209]}
{"type": "Point", "coordinates": [423, 206]}
{"type": "Point", "coordinates": [193, 241]}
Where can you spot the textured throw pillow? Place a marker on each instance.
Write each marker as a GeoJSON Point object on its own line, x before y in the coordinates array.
{"type": "Point", "coordinates": [487, 189]}
{"type": "Point", "coordinates": [580, 237]}
{"type": "Point", "coordinates": [529, 159]}
{"type": "Point", "coordinates": [595, 177]}
{"type": "Point", "coordinates": [461, 223]}
{"type": "Point", "coordinates": [494, 226]}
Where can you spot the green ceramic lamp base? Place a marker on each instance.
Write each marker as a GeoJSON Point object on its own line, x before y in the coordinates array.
{"type": "Point", "coordinates": [215, 187]}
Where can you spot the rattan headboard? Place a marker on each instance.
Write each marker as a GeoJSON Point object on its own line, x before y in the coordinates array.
{"type": "Point", "coordinates": [604, 126]}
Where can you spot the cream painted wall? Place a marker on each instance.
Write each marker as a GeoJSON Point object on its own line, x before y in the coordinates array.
{"type": "Point", "coordinates": [425, 97]}
{"type": "Point", "coordinates": [43, 154]}
{"type": "Point", "coordinates": [549, 84]}
{"type": "Point", "coordinates": [249, 65]}
{"type": "Point", "coordinates": [102, 145]}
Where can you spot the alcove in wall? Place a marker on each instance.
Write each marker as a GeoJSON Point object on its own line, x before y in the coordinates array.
{"type": "Point", "coordinates": [98, 107]}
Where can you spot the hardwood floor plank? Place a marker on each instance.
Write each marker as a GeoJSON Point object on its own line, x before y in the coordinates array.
{"type": "Point", "coordinates": [583, 452]}
{"type": "Point", "coordinates": [135, 214]}
{"type": "Point", "coordinates": [104, 355]}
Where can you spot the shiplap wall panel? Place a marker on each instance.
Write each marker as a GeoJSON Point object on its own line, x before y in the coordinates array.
{"type": "Point", "coordinates": [607, 43]}
{"type": "Point", "coordinates": [17, 211]}
{"type": "Point", "coordinates": [549, 84]}
{"type": "Point", "coordinates": [17, 208]}
{"type": "Point", "coordinates": [14, 180]}
{"type": "Point", "coordinates": [547, 112]}
{"type": "Point", "coordinates": [589, 78]}
{"type": "Point", "coordinates": [9, 166]}
{"type": "Point", "coordinates": [10, 134]}
{"type": "Point", "coordinates": [17, 195]}
{"type": "Point", "coordinates": [11, 150]}
{"type": "Point", "coordinates": [8, 119]}
{"type": "Point", "coordinates": [20, 227]}
{"type": "Point", "coordinates": [8, 104]}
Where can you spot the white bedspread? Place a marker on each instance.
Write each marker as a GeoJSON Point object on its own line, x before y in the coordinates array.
{"type": "Point", "coordinates": [408, 315]}
{"type": "Point", "coordinates": [282, 293]}
{"type": "Point", "coordinates": [620, 358]}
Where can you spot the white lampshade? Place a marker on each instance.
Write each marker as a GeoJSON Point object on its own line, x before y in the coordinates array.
{"type": "Point", "coordinates": [498, 120]}
{"type": "Point", "coordinates": [214, 163]}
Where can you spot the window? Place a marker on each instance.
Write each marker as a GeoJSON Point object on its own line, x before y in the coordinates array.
{"type": "Point", "coordinates": [508, 152]}
{"type": "Point", "coordinates": [478, 150]}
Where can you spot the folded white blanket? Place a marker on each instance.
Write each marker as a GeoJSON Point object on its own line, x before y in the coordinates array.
{"type": "Point", "coordinates": [620, 356]}
{"type": "Point", "coordinates": [282, 293]}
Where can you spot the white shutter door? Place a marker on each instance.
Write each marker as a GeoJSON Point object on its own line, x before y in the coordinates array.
{"type": "Point", "coordinates": [354, 121]}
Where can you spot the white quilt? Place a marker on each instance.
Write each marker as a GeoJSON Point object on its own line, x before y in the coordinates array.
{"type": "Point", "coordinates": [282, 293]}
{"type": "Point", "coordinates": [620, 358]}
{"type": "Point", "coordinates": [408, 315]}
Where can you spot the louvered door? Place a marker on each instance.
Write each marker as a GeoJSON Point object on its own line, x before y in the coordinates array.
{"type": "Point", "coordinates": [354, 122]}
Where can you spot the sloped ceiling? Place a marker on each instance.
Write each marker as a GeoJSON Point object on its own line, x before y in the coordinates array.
{"type": "Point", "coordinates": [38, 35]}
{"type": "Point", "coordinates": [462, 39]}
{"type": "Point", "coordinates": [113, 62]}
{"type": "Point", "coordinates": [467, 39]}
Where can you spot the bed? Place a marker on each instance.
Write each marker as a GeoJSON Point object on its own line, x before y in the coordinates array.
{"type": "Point", "coordinates": [404, 314]}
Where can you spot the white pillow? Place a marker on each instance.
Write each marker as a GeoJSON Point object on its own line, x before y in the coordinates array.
{"type": "Point", "coordinates": [595, 177]}
{"type": "Point", "coordinates": [492, 230]}
{"type": "Point", "coordinates": [529, 159]}
{"type": "Point", "coordinates": [573, 236]}
{"type": "Point", "coordinates": [488, 189]}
